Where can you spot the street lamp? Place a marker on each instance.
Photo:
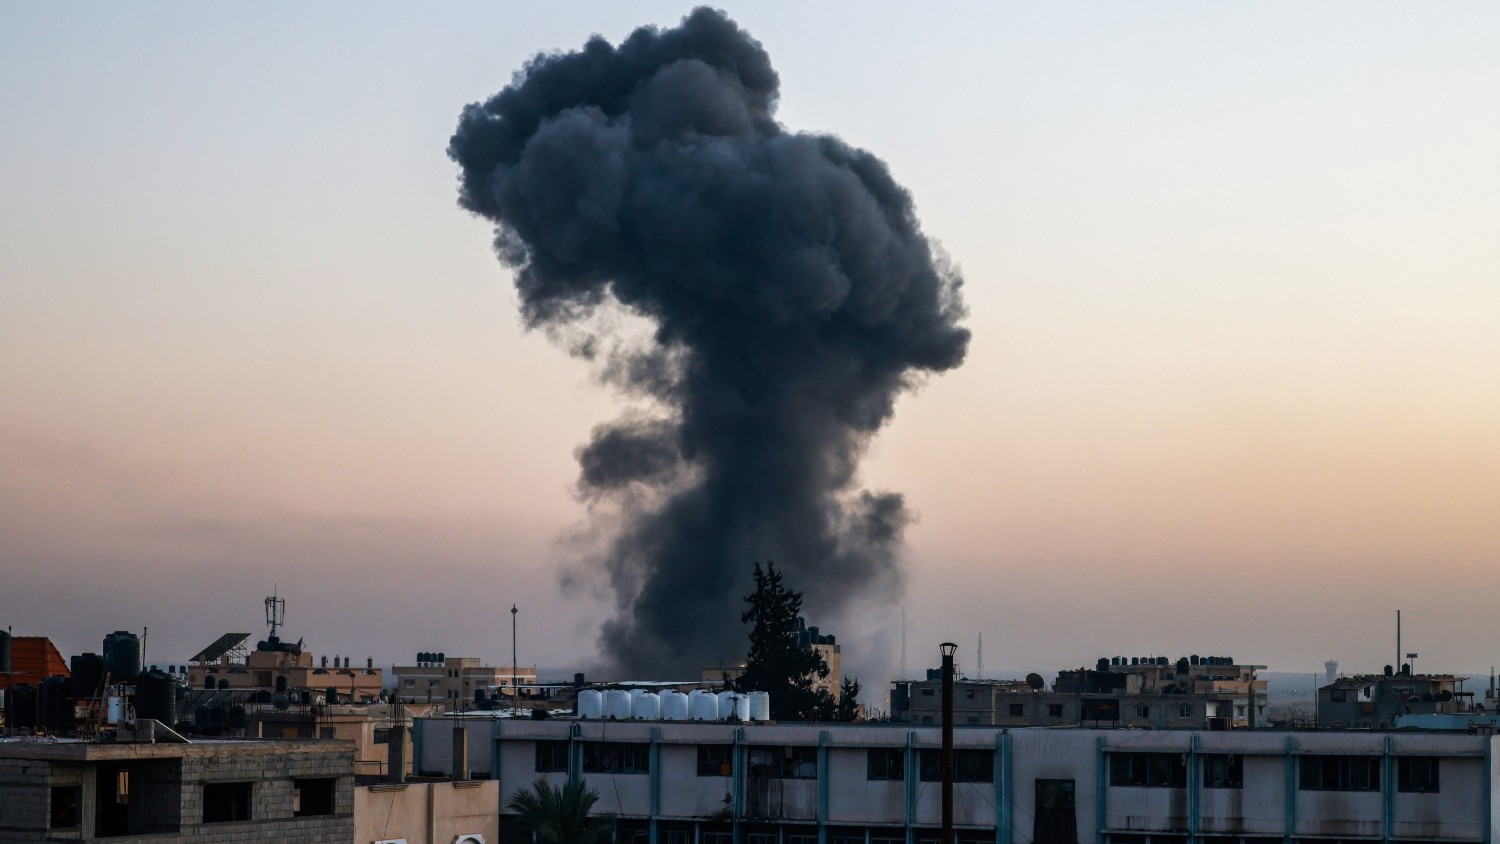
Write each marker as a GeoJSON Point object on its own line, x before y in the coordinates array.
{"type": "Point", "coordinates": [948, 649]}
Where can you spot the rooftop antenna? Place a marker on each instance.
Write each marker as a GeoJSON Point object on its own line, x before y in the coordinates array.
{"type": "Point", "coordinates": [275, 611]}
{"type": "Point", "coordinates": [979, 659]}
{"type": "Point", "coordinates": [1398, 641]}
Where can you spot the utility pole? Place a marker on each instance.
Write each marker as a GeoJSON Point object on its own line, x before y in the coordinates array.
{"type": "Point", "coordinates": [947, 763]}
{"type": "Point", "coordinates": [515, 682]}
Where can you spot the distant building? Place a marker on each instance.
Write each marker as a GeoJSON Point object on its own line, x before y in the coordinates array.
{"type": "Point", "coordinates": [198, 793]}
{"type": "Point", "coordinates": [436, 678]}
{"type": "Point", "coordinates": [32, 660]}
{"type": "Point", "coordinates": [1376, 700]}
{"type": "Point", "coordinates": [280, 666]}
{"type": "Point", "coordinates": [1192, 693]}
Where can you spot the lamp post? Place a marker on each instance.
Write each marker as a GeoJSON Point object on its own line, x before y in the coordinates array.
{"type": "Point", "coordinates": [947, 761]}
{"type": "Point", "coordinates": [515, 685]}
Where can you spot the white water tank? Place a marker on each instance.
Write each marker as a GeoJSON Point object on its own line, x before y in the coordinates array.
{"type": "Point", "coordinates": [115, 710]}
{"type": "Point", "coordinates": [760, 706]}
{"type": "Point", "coordinates": [703, 706]}
{"type": "Point", "coordinates": [617, 704]}
{"type": "Point", "coordinates": [674, 705]}
{"type": "Point", "coordinates": [590, 704]}
{"type": "Point", "coordinates": [645, 706]}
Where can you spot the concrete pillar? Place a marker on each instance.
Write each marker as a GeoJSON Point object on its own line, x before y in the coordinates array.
{"type": "Point", "coordinates": [460, 752]}
{"type": "Point", "coordinates": [395, 754]}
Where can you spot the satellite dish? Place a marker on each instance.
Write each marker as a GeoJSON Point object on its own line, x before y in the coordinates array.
{"type": "Point", "coordinates": [1035, 681]}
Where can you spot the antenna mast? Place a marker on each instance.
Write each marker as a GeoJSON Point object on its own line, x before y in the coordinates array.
{"type": "Point", "coordinates": [275, 612]}
{"type": "Point", "coordinates": [979, 659]}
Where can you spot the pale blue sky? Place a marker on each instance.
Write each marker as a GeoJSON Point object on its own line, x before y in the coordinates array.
{"type": "Point", "coordinates": [1231, 268]}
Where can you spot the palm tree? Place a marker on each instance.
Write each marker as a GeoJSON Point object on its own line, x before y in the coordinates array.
{"type": "Point", "coordinates": [560, 815]}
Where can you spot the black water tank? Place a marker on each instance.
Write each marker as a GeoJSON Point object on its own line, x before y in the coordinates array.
{"type": "Point", "coordinates": [57, 704]}
{"type": "Point", "coordinates": [330, 695]}
{"type": "Point", "coordinates": [156, 697]}
{"type": "Point", "coordinates": [21, 706]}
{"type": "Point", "coordinates": [219, 715]}
{"type": "Point", "coordinates": [88, 673]}
{"type": "Point", "coordinates": [281, 683]}
{"type": "Point", "coordinates": [4, 652]}
{"type": "Point", "coordinates": [122, 656]}
{"type": "Point", "coordinates": [237, 717]}
{"type": "Point", "coordinates": [201, 716]}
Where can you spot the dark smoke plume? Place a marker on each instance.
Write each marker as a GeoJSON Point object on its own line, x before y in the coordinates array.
{"type": "Point", "coordinates": [792, 294]}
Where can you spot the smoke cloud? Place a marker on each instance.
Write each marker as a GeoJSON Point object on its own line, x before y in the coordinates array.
{"type": "Point", "coordinates": [792, 297]}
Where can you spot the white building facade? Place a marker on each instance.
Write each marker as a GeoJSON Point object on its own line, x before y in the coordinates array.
{"type": "Point", "coordinates": [722, 783]}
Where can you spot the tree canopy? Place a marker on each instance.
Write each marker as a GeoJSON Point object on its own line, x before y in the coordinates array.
{"type": "Point", "coordinates": [560, 815]}
{"type": "Point", "coordinates": [778, 663]}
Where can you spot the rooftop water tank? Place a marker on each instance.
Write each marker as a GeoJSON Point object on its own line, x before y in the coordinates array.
{"type": "Point", "coordinates": [88, 674]}
{"type": "Point", "coordinates": [122, 656]}
{"type": "Point", "coordinates": [156, 697]}
{"type": "Point", "coordinates": [760, 706]}
{"type": "Point", "coordinates": [703, 706]}
{"type": "Point", "coordinates": [674, 705]}
{"type": "Point", "coordinates": [590, 704]}
{"type": "Point", "coordinates": [617, 704]}
{"type": "Point", "coordinates": [645, 706]}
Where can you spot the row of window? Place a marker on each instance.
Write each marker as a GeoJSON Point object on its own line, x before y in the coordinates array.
{"type": "Point", "coordinates": [1151, 770]}
{"type": "Point", "coordinates": [1315, 773]}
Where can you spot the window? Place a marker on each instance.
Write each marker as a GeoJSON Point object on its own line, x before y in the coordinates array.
{"type": "Point", "coordinates": [313, 797]}
{"type": "Point", "coordinates": [1223, 770]}
{"type": "Point", "coordinates": [886, 763]}
{"type": "Point", "coordinates": [1017, 710]}
{"type": "Point", "coordinates": [715, 760]}
{"type": "Point", "coordinates": [761, 838]}
{"type": "Point", "coordinates": [1417, 773]}
{"type": "Point", "coordinates": [65, 802]}
{"type": "Point", "coordinates": [410, 683]}
{"type": "Point", "coordinates": [226, 801]}
{"type": "Point", "coordinates": [797, 763]}
{"type": "Point", "coordinates": [968, 765]}
{"type": "Point", "coordinates": [1340, 773]}
{"type": "Point", "coordinates": [1152, 770]}
{"type": "Point", "coordinates": [716, 838]}
{"type": "Point", "coordinates": [969, 693]}
{"type": "Point", "coordinates": [616, 758]}
{"type": "Point", "coordinates": [382, 735]}
{"type": "Point", "coordinates": [1184, 712]}
{"type": "Point", "coordinates": [1142, 711]}
{"type": "Point", "coordinates": [551, 756]}
{"type": "Point", "coordinates": [1054, 710]}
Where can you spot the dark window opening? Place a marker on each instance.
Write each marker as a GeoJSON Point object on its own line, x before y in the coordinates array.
{"type": "Point", "coordinates": [1417, 773]}
{"type": "Point", "coordinates": [1340, 773]}
{"type": "Point", "coordinates": [551, 756]}
{"type": "Point", "coordinates": [715, 760]}
{"type": "Point", "coordinates": [1017, 710]}
{"type": "Point", "coordinates": [1054, 710]}
{"type": "Point", "coordinates": [968, 765]}
{"type": "Point", "coordinates": [1223, 770]}
{"type": "Point", "coordinates": [886, 763]}
{"type": "Point", "coordinates": [616, 758]}
{"type": "Point", "coordinates": [382, 735]}
{"type": "Point", "coordinates": [789, 763]}
{"type": "Point", "coordinates": [313, 797]}
{"type": "Point", "coordinates": [226, 801]}
{"type": "Point", "coordinates": [64, 813]}
{"type": "Point", "coordinates": [1151, 770]}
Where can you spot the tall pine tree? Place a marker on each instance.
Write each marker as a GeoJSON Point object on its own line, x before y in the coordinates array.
{"type": "Point", "coordinates": [778, 663]}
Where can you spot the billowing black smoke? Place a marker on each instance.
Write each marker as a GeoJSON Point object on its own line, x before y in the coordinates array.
{"type": "Point", "coordinates": [793, 298]}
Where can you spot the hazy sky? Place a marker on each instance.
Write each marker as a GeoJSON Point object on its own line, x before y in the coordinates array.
{"type": "Point", "coordinates": [1233, 388]}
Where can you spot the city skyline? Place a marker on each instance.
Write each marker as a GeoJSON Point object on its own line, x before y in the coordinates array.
{"type": "Point", "coordinates": [1231, 387]}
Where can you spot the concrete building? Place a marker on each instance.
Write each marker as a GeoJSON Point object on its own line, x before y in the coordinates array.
{"type": "Point", "coordinates": [452, 812]}
{"type": "Point", "coordinates": [436, 678]}
{"type": "Point", "coordinates": [208, 791]}
{"type": "Point", "coordinates": [721, 783]}
{"type": "Point", "coordinates": [1192, 693]}
{"type": "Point", "coordinates": [1376, 700]}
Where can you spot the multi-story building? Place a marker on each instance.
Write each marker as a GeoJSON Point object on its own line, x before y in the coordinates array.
{"type": "Point", "coordinates": [1192, 693]}
{"type": "Point", "coordinates": [183, 793]}
{"type": "Point", "coordinates": [1377, 700]}
{"type": "Point", "coordinates": [437, 678]}
{"type": "Point", "coordinates": [761, 783]}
